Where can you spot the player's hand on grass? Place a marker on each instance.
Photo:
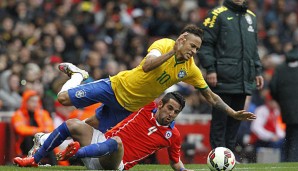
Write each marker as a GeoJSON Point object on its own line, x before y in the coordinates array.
{"type": "Point", "coordinates": [244, 115]}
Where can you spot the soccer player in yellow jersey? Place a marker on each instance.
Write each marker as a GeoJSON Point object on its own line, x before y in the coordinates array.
{"type": "Point", "coordinates": [167, 62]}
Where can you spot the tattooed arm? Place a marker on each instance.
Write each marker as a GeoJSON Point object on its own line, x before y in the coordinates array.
{"type": "Point", "coordinates": [219, 104]}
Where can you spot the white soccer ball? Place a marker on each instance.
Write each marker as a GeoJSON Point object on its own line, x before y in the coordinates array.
{"type": "Point", "coordinates": [221, 158]}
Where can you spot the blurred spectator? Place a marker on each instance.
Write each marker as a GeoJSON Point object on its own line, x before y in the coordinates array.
{"type": "Point", "coordinates": [163, 24]}
{"type": "Point", "coordinates": [72, 43]}
{"type": "Point", "coordinates": [266, 130]}
{"type": "Point", "coordinates": [275, 13]}
{"type": "Point", "coordinates": [6, 32]}
{"type": "Point", "coordinates": [3, 62]}
{"type": "Point", "coordinates": [283, 88]}
{"type": "Point", "coordinates": [289, 24]}
{"type": "Point", "coordinates": [112, 68]}
{"type": "Point", "coordinates": [30, 79]}
{"type": "Point", "coordinates": [10, 91]}
{"type": "Point", "coordinates": [28, 120]}
{"type": "Point", "coordinates": [93, 60]}
{"type": "Point", "coordinates": [137, 26]}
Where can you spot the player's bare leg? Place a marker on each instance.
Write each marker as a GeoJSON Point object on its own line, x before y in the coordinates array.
{"type": "Point", "coordinates": [64, 99]}
{"type": "Point", "coordinates": [80, 131]}
{"type": "Point", "coordinates": [112, 162]}
{"type": "Point", "coordinates": [92, 121]}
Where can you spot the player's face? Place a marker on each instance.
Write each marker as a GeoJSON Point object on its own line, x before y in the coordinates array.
{"type": "Point", "coordinates": [168, 112]}
{"type": "Point", "coordinates": [191, 46]}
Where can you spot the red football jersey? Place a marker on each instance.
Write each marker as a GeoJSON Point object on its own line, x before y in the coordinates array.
{"type": "Point", "coordinates": [142, 136]}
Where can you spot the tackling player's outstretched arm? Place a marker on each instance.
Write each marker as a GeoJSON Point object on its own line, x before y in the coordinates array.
{"type": "Point", "coordinates": [219, 104]}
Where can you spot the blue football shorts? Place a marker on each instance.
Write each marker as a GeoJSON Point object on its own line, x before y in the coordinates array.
{"type": "Point", "coordinates": [110, 112]}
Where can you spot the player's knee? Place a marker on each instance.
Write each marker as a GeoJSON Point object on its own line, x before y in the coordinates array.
{"type": "Point", "coordinates": [119, 141]}
{"type": "Point", "coordinates": [73, 125]}
{"type": "Point", "coordinates": [63, 98]}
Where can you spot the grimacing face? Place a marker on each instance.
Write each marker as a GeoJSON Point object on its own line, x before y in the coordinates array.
{"type": "Point", "coordinates": [190, 46]}
{"type": "Point", "coordinates": [166, 113]}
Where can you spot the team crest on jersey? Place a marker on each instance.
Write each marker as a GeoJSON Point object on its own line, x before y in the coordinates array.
{"type": "Point", "coordinates": [168, 134]}
{"type": "Point", "coordinates": [80, 93]}
{"type": "Point", "coordinates": [182, 73]}
{"type": "Point", "coordinates": [248, 19]}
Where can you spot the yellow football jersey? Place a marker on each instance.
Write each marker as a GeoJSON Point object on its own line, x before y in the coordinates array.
{"type": "Point", "coordinates": [135, 88]}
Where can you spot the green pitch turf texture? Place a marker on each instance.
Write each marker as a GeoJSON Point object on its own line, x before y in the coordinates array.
{"type": "Point", "coordinates": [198, 167]}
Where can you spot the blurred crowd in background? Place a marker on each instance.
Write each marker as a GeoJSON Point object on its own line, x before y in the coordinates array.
{"type": "Point", "coordinates": [105, 37]}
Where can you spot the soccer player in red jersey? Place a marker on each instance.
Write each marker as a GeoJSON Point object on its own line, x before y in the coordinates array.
{"type": "Point", "coordinates": [136, 137]}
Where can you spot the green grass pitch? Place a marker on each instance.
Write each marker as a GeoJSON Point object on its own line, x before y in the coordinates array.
{"type": "Point", "coordinates": [197, 167]}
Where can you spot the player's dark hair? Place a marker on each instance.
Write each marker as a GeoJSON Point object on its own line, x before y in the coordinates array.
{"type": "Point", "coordinates": [193, 29]}
{"type": "Point", "coordinates": [176, 96]}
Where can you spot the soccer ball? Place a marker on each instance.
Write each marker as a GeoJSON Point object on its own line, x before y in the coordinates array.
{"type": "Point", "coordinates": [221, 158]}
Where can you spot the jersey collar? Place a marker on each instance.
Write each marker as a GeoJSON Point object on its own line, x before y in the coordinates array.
{"type": "Point", "coordinates": [172, 125]}
{"type": "Point", "coordinates": [178, 62]}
